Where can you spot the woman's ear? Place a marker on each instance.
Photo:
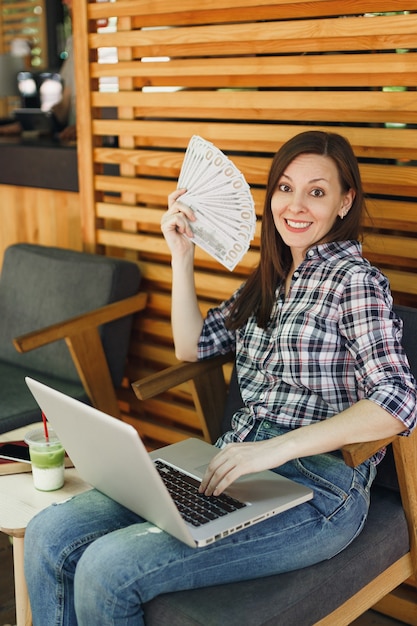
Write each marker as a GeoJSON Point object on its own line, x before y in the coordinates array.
{"type": "Point", "coordinates": [347, 202]}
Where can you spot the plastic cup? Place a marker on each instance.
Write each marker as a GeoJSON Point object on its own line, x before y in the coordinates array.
{"type": "Point", "coordinates": [47, 458]}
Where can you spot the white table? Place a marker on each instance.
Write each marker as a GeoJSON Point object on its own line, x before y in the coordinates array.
{"type": "Point", "coordinates": [19, 502]}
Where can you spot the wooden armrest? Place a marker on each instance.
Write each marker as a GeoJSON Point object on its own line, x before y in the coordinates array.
{"type": "Point", "coordinates": [207, 385]}
{"type": "Point", "coordinates": [80, 323]}
{"type": "Point", "coordinates": [159, 382]}
{"type": "Point", "coordinates": [81, 334]}
{"type": "Point", "coordinates": [356, 453]}
{"type": "Point", "coordinates": [155, 384]}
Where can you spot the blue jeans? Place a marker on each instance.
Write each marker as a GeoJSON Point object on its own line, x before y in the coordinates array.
{"type": "Point", "coordinates": [90, 562]}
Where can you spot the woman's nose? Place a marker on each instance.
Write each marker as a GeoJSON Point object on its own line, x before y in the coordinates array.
{"type": "Point", "coordinates": [296, 204]}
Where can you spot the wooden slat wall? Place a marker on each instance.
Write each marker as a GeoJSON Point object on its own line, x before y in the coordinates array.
{"type": "Point", "coordinates": [247, 76]}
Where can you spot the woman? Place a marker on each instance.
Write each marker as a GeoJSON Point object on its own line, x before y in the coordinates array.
{"type": "Point", "coordinates": [320, 365]}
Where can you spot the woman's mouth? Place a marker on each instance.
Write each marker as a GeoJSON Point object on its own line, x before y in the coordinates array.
{"type": "Point", "coordinates": [294, 225]}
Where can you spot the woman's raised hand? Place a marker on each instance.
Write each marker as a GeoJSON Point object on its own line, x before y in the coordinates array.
{"type": "Point", "coordinates": [175, 224]}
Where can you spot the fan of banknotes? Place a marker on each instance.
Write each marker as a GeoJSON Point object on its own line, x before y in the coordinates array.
{"type": "Point", "coordinates": [221, 200]}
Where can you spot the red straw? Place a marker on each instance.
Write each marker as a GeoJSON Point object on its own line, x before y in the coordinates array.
{"type": "Point", "coordinates": [45, 426]}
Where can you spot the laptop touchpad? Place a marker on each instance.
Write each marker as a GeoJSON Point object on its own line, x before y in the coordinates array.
{"type": "Point", "coordinates": [201, 470]}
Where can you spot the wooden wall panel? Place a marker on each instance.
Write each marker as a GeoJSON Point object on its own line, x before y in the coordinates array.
{"type": "Point", "coordinates": [44, 216]}
{"type": "Point", "coordinates": [247, 76]}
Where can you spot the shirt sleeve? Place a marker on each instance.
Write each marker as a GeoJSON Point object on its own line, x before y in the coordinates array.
{"type": "Point", "coordinates": [373, 337]}
{"type": "Point", "coordinates": [215, 338]}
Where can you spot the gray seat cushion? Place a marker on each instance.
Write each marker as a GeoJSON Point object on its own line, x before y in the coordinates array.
{"type": "Point", "coordinates": [17, 405]}
{"type": "Point", "coordinates": [296, 598]}
{"type": "Point", "coordinates": [39, 286]}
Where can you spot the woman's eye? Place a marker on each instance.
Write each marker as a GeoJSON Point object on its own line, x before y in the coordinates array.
{"type": "Point", "coordinates": [317, 193]}
{"type": "Point", "coordinates": [284, 187]}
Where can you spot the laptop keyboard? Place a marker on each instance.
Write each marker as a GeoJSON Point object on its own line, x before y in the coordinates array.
{"type": "Point", "coordinates": [194, 507]}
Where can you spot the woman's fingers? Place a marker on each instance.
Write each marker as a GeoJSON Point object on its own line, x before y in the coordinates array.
{"type": "Point", "coordinates": [176, 206]}
{"type": "Point", "coordinates": [217, 480]}
{"type": "Point", "coordinates": [174, 195]}
{"type": "Point", "coordinates": [239, 459]}
{"type": "Point", "coordinates": [231, 463]}
{"type": "Point", "coordinates": [178, 216]}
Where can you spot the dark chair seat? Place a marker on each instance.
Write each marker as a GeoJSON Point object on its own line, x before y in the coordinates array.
{"type": "Point", "coordinates": [298, 598]}
{"type": "Point", "coordinates": [20, 407]}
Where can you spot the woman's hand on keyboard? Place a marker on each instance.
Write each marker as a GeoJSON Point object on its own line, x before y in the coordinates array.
{"type": "Point", "coordinates": [238, 459]}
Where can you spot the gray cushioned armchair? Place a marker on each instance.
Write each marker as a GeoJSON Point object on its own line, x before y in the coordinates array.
{"type": "Point", "coordinates": [331, 593]}
{"type": "Point", "coordinates": [65, 319]}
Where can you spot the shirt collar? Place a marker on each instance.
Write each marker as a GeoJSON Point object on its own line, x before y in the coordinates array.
{"type": "Point", "coordinates": [335, 249]}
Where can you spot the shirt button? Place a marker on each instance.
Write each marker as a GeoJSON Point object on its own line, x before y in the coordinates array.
{"type": "Point", "coordinates": [296, 274]}
{"type": "Point", "coordinates": [310, 253]}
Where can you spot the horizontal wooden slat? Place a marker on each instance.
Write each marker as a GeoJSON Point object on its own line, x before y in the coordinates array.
{"type": "Point", "coordinates": [215, 286]}
{"type": "Point", "coordinates": [170, 410]}
{"type": "Point", "coordinates": [392, 214]}
{"type": "Point", "coordinates": [366, 142]}
{"type": "Point", "coordinates": [389, 179]}
{"type": "Point", "coordinates": [402, 282]}
{"type": "Point", "coordinates": [392, 246]}
{"type": "Point", "coordinates": [165, 434]}
{"type": "Point", "coordinates": [188, 12]}
{"type": "Point", "coordinates": [154, 353]}
{"type": "Point", "coordinates": [360, 70]}
{"type": "Point", "coordinates": [298, 36]}
{"type": "Point", "coordinates": [160, 303]}
{"type": "Point", "coordinates": [257, 138]}
{"type": "Point", "coordinates": [159, 327]}
{"type": "Point", "coordinates": [301, 106]}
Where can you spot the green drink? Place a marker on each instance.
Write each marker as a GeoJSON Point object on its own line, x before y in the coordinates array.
{"type": "Point", "coordinates": [47, 458]}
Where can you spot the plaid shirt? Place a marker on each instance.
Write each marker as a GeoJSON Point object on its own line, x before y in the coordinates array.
{"type": "Point", "coordinates": [332, 341]}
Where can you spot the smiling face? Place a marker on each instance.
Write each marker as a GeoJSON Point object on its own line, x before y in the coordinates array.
{"type": "Point", "coordinates": [306, 202]}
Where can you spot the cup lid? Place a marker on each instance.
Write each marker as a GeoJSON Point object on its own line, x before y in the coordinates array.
{"type": "Point", "coordinates": [37, 435]}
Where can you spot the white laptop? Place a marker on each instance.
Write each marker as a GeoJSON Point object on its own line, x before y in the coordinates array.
{"type": "Point", "coordinates": [111, 457]}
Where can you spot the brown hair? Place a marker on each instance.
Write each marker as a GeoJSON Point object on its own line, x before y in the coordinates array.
{"type": "Point", "coordinates": [258, 293]}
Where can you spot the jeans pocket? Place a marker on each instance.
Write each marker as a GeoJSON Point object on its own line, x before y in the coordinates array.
{"type": "Point", "coordinates": [330, 479]}
{"type": "Point", "coordinates": [335, 484]}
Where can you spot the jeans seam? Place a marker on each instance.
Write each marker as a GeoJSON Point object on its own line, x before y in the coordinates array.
{"type": "Point", "coordinates": [60, 568]}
